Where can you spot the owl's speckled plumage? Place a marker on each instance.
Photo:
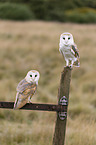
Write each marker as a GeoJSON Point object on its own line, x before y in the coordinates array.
{"type": "Point", "coordinates": [69, 49]}
{"type": "Point", "coordinates": [26, 89]}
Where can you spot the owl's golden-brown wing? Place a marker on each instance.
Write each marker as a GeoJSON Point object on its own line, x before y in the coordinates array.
{"type": "Point", "coordinates": [75, 51]}
{"type": "Point", "coordinates": [22, 96]}
{"type": "Point", "coordinates": [22, 85]}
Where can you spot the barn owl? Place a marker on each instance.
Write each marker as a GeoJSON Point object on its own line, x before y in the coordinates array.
{"type": "Point", "coordinates": [26, 89]}
{"type": "Point", "coordinates": [69, 49]}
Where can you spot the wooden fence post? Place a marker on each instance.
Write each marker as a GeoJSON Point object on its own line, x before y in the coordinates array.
{"type": "Point", "coordinates": [60, 127]}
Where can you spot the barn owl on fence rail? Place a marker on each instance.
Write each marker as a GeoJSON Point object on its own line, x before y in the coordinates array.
{"type": "Point", "coordinates": [26, 89]}
{"type": "Point", "coordinates": [69, 49]}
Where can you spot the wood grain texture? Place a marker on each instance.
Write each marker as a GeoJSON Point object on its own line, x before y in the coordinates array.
{"type": "Point", "coordinates": [60, 127]}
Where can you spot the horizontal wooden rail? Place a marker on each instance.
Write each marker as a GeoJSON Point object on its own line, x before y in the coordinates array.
{"type": "Point", "coordinates": [34, 106]}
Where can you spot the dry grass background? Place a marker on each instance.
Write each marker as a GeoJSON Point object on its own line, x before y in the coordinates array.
{"type": "Point", "coordinates": [34, 45]}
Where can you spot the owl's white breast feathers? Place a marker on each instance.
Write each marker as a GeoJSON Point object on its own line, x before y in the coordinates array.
{"type": "Point", "coordinates": [68, 49]}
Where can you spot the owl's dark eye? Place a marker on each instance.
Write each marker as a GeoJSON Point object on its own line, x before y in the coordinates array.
{"type": "Point", "coordinates": [30, 75]}
{"type": "Point", "coordinates": [35, 75]}
{"type": "Point", "coordinates": [68, 38]}
{"type": "Point", "coordinates": [64, 38]}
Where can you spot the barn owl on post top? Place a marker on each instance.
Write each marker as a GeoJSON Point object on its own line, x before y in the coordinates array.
{"type": "Point", "coordinates": [69, 49]}
{"type": "Point", "coordinates": [26, 89]}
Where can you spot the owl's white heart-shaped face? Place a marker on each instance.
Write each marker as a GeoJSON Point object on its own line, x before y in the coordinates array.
{"type": "Point", "coordinates": [66, 39]}
{"type": "Point", "coordinates": [32, 76]}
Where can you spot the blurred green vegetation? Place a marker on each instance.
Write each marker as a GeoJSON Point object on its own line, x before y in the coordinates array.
{"type": "Point", "coordinates": [15, 12]}
{"type": "Point", "coordinates": [81, 15]}
{"type": "Point", "coordinates": [51, 10]}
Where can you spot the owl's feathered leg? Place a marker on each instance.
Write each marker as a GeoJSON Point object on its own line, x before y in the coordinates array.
{"type": "Point", "coordinates": [75, 62]}
{"type": "Point", "coordinates": [67, 62]}
{"type": "Point", "coordinates": [29, 99]}
{"type": "Point", "coordinates": [72, 62]}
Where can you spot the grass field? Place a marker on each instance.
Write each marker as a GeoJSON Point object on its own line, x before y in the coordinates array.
{"type": "Point", "coordinates": [34, 45]}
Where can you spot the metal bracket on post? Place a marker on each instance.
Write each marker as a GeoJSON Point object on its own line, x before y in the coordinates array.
{"type": "Point", "coordinates": [64, 102]}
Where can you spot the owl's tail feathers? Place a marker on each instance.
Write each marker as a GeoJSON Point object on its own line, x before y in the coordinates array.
{"type": "Point", "coordinates": [15, 106]}
{"type": "Point", "coordinates": [16, 101]}
{"type": "Point", "coordinates": [77, 63]}
{"type": "Point", "coordinates": [18, 106]}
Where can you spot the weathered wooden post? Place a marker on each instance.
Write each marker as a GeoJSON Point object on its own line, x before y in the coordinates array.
{"type": "Point", "coordinates": [60, 108]}
{"type": "Point", "coordinates": [63, 94]}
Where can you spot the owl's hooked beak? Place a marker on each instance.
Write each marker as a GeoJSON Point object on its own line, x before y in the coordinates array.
{"type": "Point", "coordinates": [33, 79]}
{"type": "Point", "coordinates": [66, 41]}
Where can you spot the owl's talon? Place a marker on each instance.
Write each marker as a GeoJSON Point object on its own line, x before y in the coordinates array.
{"type": "Point", "coordinates": [71, 66]}
{"type": "Point", "coordinates": [29, 100]}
